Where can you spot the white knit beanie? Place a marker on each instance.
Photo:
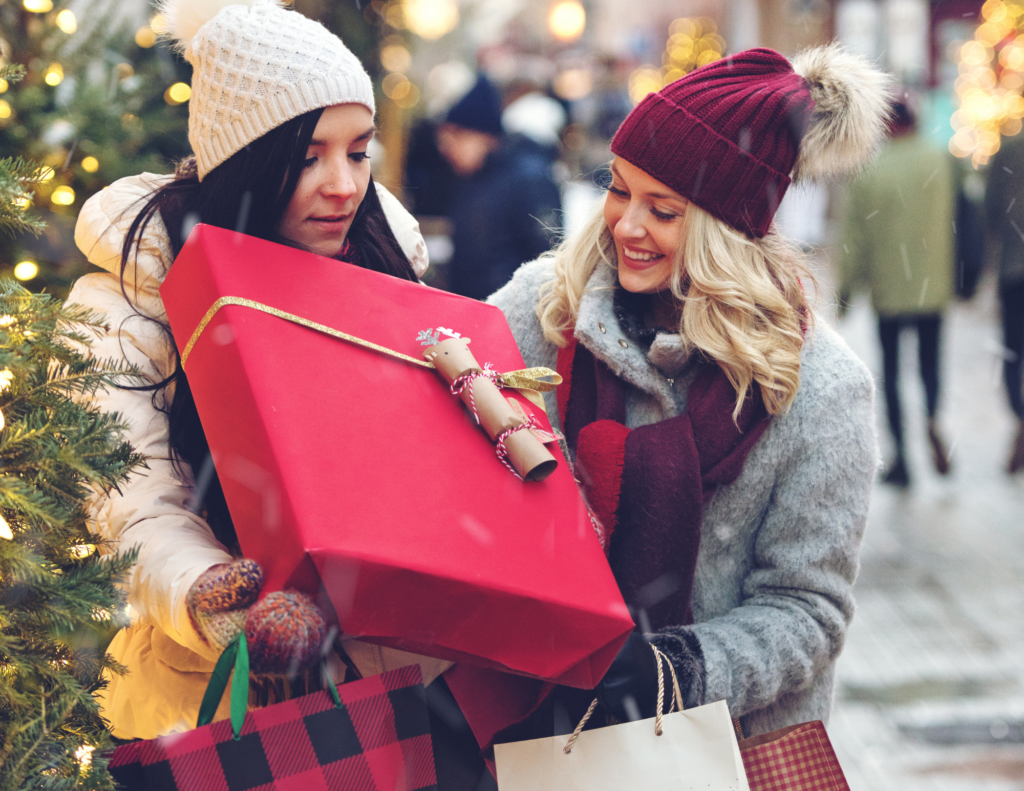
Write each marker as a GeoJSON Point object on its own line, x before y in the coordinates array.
{"type": "Point", "coordinates": [255, 66]}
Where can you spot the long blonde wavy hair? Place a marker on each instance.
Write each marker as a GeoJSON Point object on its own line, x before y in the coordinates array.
{"type": "Point", "coordinates": [742, 302]}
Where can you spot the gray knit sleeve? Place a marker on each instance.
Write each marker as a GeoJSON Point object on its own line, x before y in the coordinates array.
{"type": "Point", "coordinates": [776, 649]}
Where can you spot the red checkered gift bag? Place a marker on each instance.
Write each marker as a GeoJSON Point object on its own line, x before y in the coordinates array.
{"type": "Point", "coordinates": [369, 735]}
{"type": "Point", "coordinates": [797, 758]}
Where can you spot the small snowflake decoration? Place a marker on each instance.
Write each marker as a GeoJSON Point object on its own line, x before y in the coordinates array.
{"type": "Point", "coordinates": [432, 337]}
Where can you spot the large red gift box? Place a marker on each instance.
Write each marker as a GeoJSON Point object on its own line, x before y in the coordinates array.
{"type": "Point", "coordinates": [349, 469]}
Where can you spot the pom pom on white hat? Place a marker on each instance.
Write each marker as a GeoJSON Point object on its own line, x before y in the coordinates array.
{"type": "Point", "coordinates": [255, 66]}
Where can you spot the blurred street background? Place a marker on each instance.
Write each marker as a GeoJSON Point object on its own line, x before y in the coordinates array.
{"type": "Point", "coordinates": [931, 684]}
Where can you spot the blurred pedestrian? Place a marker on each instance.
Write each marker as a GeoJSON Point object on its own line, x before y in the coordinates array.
{"type": "Point", "coordinates": [1004, 211]}
{"type": "Point", "coordinates": [898, 242]}
{"type": "Point", "coordinates": [506, 205]}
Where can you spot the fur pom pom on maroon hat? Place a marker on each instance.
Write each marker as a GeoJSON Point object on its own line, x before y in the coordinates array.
{"type": "Point", "coordinates": [731, 136]}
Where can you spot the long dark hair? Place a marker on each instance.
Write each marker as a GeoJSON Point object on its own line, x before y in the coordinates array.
{"type": "Point", "coordinates": [249, 193]}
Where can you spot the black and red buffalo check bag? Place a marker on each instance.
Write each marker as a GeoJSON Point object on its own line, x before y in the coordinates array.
{"type": "Point", "coordinates": [368, 735]}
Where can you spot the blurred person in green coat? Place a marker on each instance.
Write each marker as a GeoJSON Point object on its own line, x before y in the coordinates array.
{"type": "Point", "coordinates": [1004, 212]}
{"type": "Point", "coordinates": [898, 243]}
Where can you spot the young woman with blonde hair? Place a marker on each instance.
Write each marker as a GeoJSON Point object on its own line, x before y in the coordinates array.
{"type": "Point", "coordinates": [724, 438]}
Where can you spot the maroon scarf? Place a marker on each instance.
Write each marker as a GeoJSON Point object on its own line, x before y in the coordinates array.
{"type": "Point", "coordinates": [647, 486]}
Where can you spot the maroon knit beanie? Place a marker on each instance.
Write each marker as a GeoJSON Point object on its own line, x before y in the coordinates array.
{"type": "Point", "coordinates": [725, 136]}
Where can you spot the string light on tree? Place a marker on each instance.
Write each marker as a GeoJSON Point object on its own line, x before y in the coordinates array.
{"type": "Point", "coordinates": [5, 529]}
{"type": "Point", "coordinates": [26, 270]}
{"type": "Point", "coordinates": [145, 37]}
{"type": "Point", "coordinates": [179, 93]}
{"type": "Point", "coordinates": [66, 21]}
{"type": "Point", "coordinates": [5, 110]}
{"type": "Point", "coordinates": [38, 6]}
{"type": "Point", "coordinates": [989, 87]}
{"type": "Point", "coordinates": [63, 196]}
{"type": "Point", "coordinates": [54, 75]}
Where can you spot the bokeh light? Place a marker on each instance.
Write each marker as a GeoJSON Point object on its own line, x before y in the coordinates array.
{"type": "Point", "coordinates": [395, 57]}
{"type": "Point", "coordinates": [991, 69]}
{"type": "Point", "coordinates": [54, 74]}
{"type": "Point", "coordinates": [26, 270]}
{"type": "Point", "coordinates": [179, 93]}
{"type": "Point", "coordinates": [5, 110]}
{"type": "Point", "coordinates": [90, 164]}
{"type": "Point", "coordinates": [567, 20]}
{"type": "Point", "coordinates": [145, 37]}
{"type": "Point", "coordinates": [38, 6]}
{"type": "Point", "coordinates": [63, 196]}
{"type": "Point", "coordinates": [66, 21]}
{"type": "Point", "coordinates": [428, 19]}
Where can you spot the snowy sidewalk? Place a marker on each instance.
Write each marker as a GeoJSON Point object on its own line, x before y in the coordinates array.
{"type": "Point", "coordinates": [931, 683]}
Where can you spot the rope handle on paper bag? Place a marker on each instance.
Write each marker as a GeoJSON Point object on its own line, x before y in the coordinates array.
{"type": "Point", "coordinates": [236, 657]}
{"type": "Point", "coordinates": [675, 705]}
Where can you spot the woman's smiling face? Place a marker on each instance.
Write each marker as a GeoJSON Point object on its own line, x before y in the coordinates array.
{"type": "Point", "coordinates": [646, 221]}
{"type": "Point", "coordinates": [333, 181]}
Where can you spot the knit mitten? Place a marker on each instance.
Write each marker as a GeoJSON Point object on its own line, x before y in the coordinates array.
{"type": "Point", "coordinates": [683, 650]}
{"type": "Point", "coordinates": [217, 601]}
{"type": "Point", "coordinates": [285, 631]}
{"type": "Point", "coordinates": [629, 690]}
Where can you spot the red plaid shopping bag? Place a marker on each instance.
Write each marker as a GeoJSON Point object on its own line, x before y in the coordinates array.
{"type": "Point", "coordinates": [797, 758]}
{"type": "Point", "coordinates": [369, 735]}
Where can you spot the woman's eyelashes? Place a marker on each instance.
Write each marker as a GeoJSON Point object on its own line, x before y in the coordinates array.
{"type": "Point", "coordinates": [661, 215]}
{"type": "Point", "coordinates": [357, 157]}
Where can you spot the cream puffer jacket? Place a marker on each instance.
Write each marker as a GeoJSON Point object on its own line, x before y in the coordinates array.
{"type": "Point", "coordinates": [169, 664]}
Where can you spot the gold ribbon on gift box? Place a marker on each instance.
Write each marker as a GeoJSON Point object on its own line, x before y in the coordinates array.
{"type": "Point", "coordinates": [528, 381]}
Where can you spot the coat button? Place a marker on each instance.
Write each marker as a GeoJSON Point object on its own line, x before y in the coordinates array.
{"type": "Point", "coordinates": [623, 344]}
{"type": "Point", "coordinates": [601, 327]}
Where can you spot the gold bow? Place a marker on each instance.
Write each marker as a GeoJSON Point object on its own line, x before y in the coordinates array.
{"type": "Point", "coordinates": [528, 381]}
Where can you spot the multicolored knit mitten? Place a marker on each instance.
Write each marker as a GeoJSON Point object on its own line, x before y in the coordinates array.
{"type": "Point", "coordinates": [285, 631]}
{"type": "Point", "coordinates": [219, 600]}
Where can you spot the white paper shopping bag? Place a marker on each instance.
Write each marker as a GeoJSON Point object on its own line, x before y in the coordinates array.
{"type": "Point", "coordinates": [695, 751]}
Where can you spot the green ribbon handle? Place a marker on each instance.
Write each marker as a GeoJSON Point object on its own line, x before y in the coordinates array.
{"type": "Point", "coordinates": [236, 657]}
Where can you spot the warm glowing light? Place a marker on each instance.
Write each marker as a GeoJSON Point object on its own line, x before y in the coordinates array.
{"type": "Point", "coordinates": [4, 86]}
{"type": "Point", "coordinates": [90, 164]}
{"type": "Point", "coordinates": [396, 86]}
{"type": "Point", "coordinates": [179, 93]}
{"type": "Point", "coordinates": [84, 755]}
{"type": "Point", "coordinates": [38, 6]}
{"type": "Point", "coordinates": [395, 57]}
{"type": "Point", "coordinates": [66, 21]}
{"type": "Point", "coordinates": [45, 174]}
{"type": "Point", "coordinates": [573, 84]}
{"type": "Point", "coordinates": [145, 37]}
{"type": "Point", "coordinates": [54, 74]}
{"type": "Point", "coordinates": [410, 99]}
{"type": "Point", "coordinates": [429, 19]}
{"type": "Point", "coordinates": [63, 196]}
{"type": "Point", "coordinates": [567, 20]}
{"type": "Point", "coordinates": [643, 81]}
{"type": "Point", "coordinates": [5, 529]}
{"type": "Point", "coordinates": [159, 24]}
{"type": "Point", "coordinates": [5, 110]}
{"type": "Point", "coordinates": [26, 270]}
{"type": "Point", "coordinates": [83, 550]}
{"type": "Point", "coordinates": [6, 377]}
{"type": "Point", "coordinates": [22, 202]}
{"type": "Point", "coordinates": [7, 320]}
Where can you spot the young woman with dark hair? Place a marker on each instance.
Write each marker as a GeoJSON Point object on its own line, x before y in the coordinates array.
{"type": "Point", "coordinates": [280, 119]}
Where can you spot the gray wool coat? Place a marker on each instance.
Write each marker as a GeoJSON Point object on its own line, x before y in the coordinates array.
{"type": "Point", "coordinates": [773, 595]}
